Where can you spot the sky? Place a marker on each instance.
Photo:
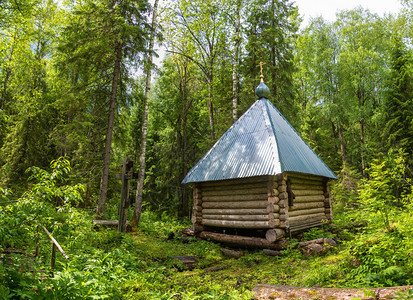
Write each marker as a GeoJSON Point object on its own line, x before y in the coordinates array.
{"type": "Point", "coordinates": [328, 8]}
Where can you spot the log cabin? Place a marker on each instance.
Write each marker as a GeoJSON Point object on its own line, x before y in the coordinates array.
{"type": "Point", "coordinates": [260, 181]}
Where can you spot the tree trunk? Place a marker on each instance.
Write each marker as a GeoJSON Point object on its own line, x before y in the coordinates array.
{"type": "Point", "coordinates": [142, 161]}
{"type": "Point", "coordinates": [235, 65]}
{"type": "Point", "coordinates": [211, 108]}
{"type": "Point", "coordinates": [100, 211]}
{"type": "Point", "coordinates": [342, 147]}
{"type": "Point", "coordinates": [185, 196]}
{"type": "Point", "coordinates": [243, 241]}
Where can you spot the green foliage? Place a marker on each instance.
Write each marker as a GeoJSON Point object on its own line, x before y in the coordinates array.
{"type": "Point", "coordinates": [387, 189]}
{"type": "Point", "coordinates": [408, 295]}
{"type": "Point", "coordinates": [382, 258]}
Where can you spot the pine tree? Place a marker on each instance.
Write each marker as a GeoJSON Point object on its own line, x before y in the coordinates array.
{"type": "Point", "coordinates": [398, 105]}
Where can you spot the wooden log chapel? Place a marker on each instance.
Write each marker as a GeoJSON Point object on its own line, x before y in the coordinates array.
{"type": "Point", "coordinates": [259, 180]}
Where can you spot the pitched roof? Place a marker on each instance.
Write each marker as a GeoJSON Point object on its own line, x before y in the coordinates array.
{"type": "Point", "coordinates": [261, 142]}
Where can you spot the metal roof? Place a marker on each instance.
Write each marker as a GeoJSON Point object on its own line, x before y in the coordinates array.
{"type": "Point", "coordinates": [261, 142]}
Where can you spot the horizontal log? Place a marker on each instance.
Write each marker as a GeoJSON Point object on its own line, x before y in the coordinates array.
{"type": "Point", "coordinates": [313, 198]}
{"type": "Point", "coordinates": [283, 211]}
{"type": "Point", "coordinates": [283, 217]}
{"type": "Point", "coordinates": [232, 253]}
{"type": "Point", "coordinates": [258, 185]}
{"type": "Point", "coordinates": [306, 176]}
{"type": "Point", "coordinates": [266, 217]}
{"type": "Point", "coordinates": [236, 204]}
{"type": "Point", "coordinates": [309, 218]}
{"type": "Point", "coordinates": [305, 205]}
{"type": "Point", "coordinates": [295, 227]}
{"type": "Point", "coordinates": [306, 187]}
{"type": "Point", "coordinates": [274, 234]}
{"type": "Point", "coordinates": [239, 211]}
{"type": "Point", "coordinates": [235, 191]}
{"type": "Point", "coordinates": [108, 223]}
{"type": "Point", "coordinates": [241, 224]}
{"type": "Point", "coordinates": [243, 241]}
{"type": "Point", "coordinates": [306, 212]}
{"type": "Point", "coordinates": [308, 192]}
{"type": "Point", "coordinates": [247, 180]}
{"type": "Point", "coordinates": [282, 203]}
{"type": "Point", "coordinates": [306, 182]}
{"type": "Point", "coordinates": [236, 197]}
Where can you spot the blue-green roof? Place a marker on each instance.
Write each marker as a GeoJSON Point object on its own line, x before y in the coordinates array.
{"type": "Point", "coordinates": [262, 142]}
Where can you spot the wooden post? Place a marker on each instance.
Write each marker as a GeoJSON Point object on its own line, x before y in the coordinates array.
{"type": "Point", "coordinates": [53, 258]}
{"type": "Point", "coordinates": [124, 198]}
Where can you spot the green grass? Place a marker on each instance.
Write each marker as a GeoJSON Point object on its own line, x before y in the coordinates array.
{"type": "Point", "coordinates": [107, 265]}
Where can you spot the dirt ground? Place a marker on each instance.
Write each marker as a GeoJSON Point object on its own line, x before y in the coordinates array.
{"type": "Point", "coordinates": [281, 292]}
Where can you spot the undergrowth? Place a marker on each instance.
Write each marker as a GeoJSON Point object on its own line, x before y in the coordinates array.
{"type": "Point", "coordinates": [104, 264]}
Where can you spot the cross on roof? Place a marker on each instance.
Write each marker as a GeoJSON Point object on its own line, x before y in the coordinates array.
{"type": "Point", "coordinates": [260, 65]}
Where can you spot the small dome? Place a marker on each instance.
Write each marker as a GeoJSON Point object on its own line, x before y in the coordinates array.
{"type": "Point", "coordinates": [262, 91]}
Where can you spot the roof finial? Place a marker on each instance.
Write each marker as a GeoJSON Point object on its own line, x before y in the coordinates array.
{"type": "Point", "coordinates": [260, 65]}
{"type": "Point", "coordinates": [262, 91]}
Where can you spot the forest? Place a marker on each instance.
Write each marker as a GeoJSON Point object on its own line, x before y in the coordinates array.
{"type": "Point", "coordinates": [85, 84]}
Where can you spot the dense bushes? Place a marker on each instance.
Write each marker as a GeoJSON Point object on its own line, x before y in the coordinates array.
{"type": "Point", "coordinates": [105, 264]}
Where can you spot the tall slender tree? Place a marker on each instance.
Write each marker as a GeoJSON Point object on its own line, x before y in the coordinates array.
{"type": "Point", "coordinates": [142, 159]}
{"type": "Point", "coordinates": [110, 36]}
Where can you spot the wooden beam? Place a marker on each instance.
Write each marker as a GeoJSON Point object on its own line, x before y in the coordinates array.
{"type": "Point", "coordinates": [305, 176]}
{"type": "Point", "coordinates": [306, 205]}
{"type": "Point", "coordinates": [312, 198]}
{"type": "Point", "coordinates": [266, 217]}
{"type": "Point", "coordinates": [306, 212]}
{"type": "Point", "coordinates": [236, 204]}
{"type": "Point", "coordinates": [308, 192]}
{"type": "Point", "coordinates": [243, 241]}
{"type": "Point", "coordinates": [311, 217]}
{"type": "Point", "coordinates": [54, 241]}
{"type": "Point", "coordinates": [241, 224]}
{"type": "Point", "coordinates": [238, 186]}
{"type": "Point", "coordinates": [263, 179]}
{"type": "Point", "coordinates": [239, 211]}
{"type": "Point", "coordinates": [295, 186]}
{"type": "Point", "coordinates": [234, 191]}
{"type": "Point", "coordinates": [263, 196]}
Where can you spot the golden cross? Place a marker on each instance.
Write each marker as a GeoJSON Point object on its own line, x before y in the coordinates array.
{"type": "Point", "coordinates": [260, 65]}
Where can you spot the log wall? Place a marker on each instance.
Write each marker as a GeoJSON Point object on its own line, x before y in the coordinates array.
{"type": "Point", "coordinates": [241, 203]}
{"type": "Point", "coordinates": [311, 204]}
{"type": "Point", "coordinates": [288, 201]}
